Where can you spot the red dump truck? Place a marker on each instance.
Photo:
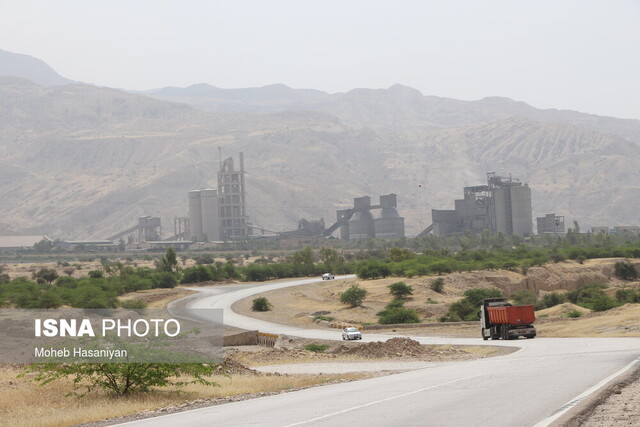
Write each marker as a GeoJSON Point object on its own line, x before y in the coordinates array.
{"type": "Point", "coordinates": [499, 319]}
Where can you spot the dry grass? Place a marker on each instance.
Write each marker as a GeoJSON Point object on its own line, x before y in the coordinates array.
{"type": "Point", "coordinates": [157, 298]}
{"type": "Point", "coordinates": [618, 322]}
{"type": "Point", "coordinates": [25, 403]}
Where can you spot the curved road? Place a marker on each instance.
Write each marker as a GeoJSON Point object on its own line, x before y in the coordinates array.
{"type": "Point", "coordinates": [533, 386]}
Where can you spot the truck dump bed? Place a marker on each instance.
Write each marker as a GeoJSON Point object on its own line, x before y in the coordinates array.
{"type": "Point", "coordinates": [515, 315]}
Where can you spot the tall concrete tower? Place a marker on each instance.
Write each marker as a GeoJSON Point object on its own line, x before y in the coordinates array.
{"type": "Point", "coordinates": [231, 200]}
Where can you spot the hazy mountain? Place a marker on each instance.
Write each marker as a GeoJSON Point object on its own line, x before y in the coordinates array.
{"type": "Point", "coordinates": [273, 98]}
{"type": "Point", "coordinates": [80, 161]}
{"type": "Point", "coordinates": [399, 108]}
{"type": "Point", "coordinates": [28, 67]}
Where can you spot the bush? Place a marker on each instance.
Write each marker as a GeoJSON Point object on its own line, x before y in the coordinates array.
{"type": "Point", "coordinates": [437, 285]}
{"type": "Point", "coordinates": [625, 271]}
{"type": "Point", "coordinates": [133, 304]}
{"type": "Point", "coordinates": [316, 348]}
{"type": "Point", "coordinates": [524, 298]}
{"type": "Point", "coordinates": [573, 314]}
{"type": "Point", "coordinates": [394, 313]}
{"type": "Point", "coordinates": [592, 296]}
{"type": "Point", "coordinates": [372, 269]}
{"type": "Point", "coordinates": [325, 318]}
{"type": "Point", "coordinates": [400, 289]}
{"type": "Point", "coordinates": [261, 304]}
{"type": "Point", "coordinates": [552, 299]}
{"type": "Point", "coordinates": [624, 296]}
{"type": "Point", "coordinates": [354, 296]}
{"type": "Point", "coordinates": [468, 308]}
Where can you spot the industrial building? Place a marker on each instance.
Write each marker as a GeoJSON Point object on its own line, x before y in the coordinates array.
{"type": "Point", "coordinates": [360, 223]}
{"type": "Point", "coordinates": [219, 214]}
{"type": "Point", "coordinates": [204, 224]}
{"type": "Point", "coordinates": [149, 228]}
{"type": "Point", "coordinates": [550, 223]}
{"type": "Point", "coordinates": [501, 206]}
{"type": "Point", "coordinates": [231, 200]}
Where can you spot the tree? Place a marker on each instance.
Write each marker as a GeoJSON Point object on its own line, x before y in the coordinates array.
{"type": "Point", "coordinates": [395, 312]}
{"type": "Point", "coordinates": [261, 304]}
{"type": "Point", "coordinates": [396, 254]}
{"type": "Point", "coordinates": [524, 297]}
{"type": "Point", "coordinates": [437, 285]}
{"type": "Point", "coordinates": [169, 262]}
{"type": "Point", "coordinates": [45, 275]}
{"type": "Point", "coordinates": [354, 296]}
{"type": "Point", "coordinates": [625, 271]}
{"type": "Point", "coordinates": [400, 290]}
{"type": "Point", "coordinates": [124, 378]}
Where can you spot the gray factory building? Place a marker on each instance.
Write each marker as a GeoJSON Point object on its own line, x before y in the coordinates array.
{"type": "Point", "coordinates": [203, 215]}
{"type": "Point", "coordinates": [550, 223]}
{"type": "Point", "coordinates": [366, 221]}
{"type": "Point", "coordinates": [501, 206]}
{"type": "Point", "coordinates": [220, 214]}
{"type": "Point", "coordinates": [231, 200]}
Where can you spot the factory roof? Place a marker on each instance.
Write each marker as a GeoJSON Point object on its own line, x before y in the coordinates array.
{"type": "Point", "coordinates": [20, 241]}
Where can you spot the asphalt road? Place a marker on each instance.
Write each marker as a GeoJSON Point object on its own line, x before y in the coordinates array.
{"type": "Point", "coordinates": [532, 386]}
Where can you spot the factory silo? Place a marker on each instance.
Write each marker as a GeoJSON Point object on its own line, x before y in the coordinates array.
{"type": "Point", "coordinates": [361, 225]}
{"type": "Point", "coordinates": [210, 217]}
{"type": "Point", "coordinates": [389, 224]}
{"type": "Point", "coordinates": [521, 211]}
{"type": "Point", "coordinates": [195, 216]}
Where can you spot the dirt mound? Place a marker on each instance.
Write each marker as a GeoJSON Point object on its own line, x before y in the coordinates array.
{"type": "Point", "coordinates": [230, 366]}
{"type": "Point", "coordinates": [561, 310]}
{"type": "Point", "coordinates": [399, 348]}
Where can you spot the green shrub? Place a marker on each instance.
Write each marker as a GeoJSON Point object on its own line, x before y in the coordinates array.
{"type": "Point", "coordinates": [395, 315]}
{"type": "Point", "coordinates": [624, 296]}
{"type": "Point", "coordinates": [625, 271]}
{"type": "Point", "coordinates": [354, 296]}
{"type": "Point", "coordinates": [468, 308]}
{"type": "Point", "coordinates": [573, 314]}
{"type": "Point", "coordinates": [133, 304]}
{"type": "Point", "coordinates": [437, 285]}
{"type": "Point", "coordinates": [552, 299]}
{"type": "Point", "coordinates": [316, 348]}
{"type": "Point", "coordinates": [400, 290]}
{"type": "Point", "coordinates": [592, 296]}
{"type": "Point", "coordinates": [261, 304]}
{"type": "Point", "coordinates": [524, 297]}
{"type": "Point", "coordinates": [325, 318]}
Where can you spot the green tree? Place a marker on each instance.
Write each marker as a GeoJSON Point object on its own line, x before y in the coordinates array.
{"type": "Point", "coordinates": [261, 304]}
{"type": "Point", "coordinates": [354, 296]}
{"type": "Point", "coordinates": [397, 255]}
{"type": "Point", "coordinates": [45, 275]}
{"type": "Point", "coordinates": [169, 262]}
{"type": "Point", "coordinates": [396, 313]}
{"type": "Point", "coordinates": [124, 378]}
{"type": "Point", "coordinates": [524, 297]}
{"type": "Point", "coordinates": [437, 285]}
{"type": "Point", "coordinates": [625, 271]}
{"type": "Point", "coordinates": [400, 290]}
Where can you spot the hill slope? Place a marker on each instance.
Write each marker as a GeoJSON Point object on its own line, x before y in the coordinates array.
{"type": "Point", "coordinates": [28, 67]}
{"type": "Point", "coordinates": [79, 161]}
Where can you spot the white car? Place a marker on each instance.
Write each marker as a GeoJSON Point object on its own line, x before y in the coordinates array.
{"type": "Point", "coordinates": [328, 276]}
{"type": "Point", "coordinates": [351, 334]}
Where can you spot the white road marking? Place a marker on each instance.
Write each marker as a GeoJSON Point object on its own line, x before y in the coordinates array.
{"type": "Point", "coordinates": [565, 408]}
{"type": "Point", "coordinates": [379, 401]}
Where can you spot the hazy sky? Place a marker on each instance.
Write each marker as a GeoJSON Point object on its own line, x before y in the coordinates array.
{"type": "Point", "coordinates": [582, 55]}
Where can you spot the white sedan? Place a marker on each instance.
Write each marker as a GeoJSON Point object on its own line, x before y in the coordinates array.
{"type": "Point", "coordinates": [351, 334]}
{"type": "Point", "coordinates": [328, 276]}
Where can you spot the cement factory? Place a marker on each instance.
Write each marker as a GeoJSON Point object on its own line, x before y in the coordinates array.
{"type": "Point", "coordinates": [501, 205]}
